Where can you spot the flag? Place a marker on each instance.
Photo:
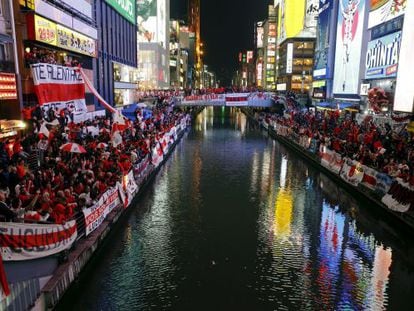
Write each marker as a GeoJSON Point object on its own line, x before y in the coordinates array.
{"type": "Point", "coordinates": [116, 139]}
{"type": "Point", "coordinates": [119, 122]}
{"type": "Point", "coordinates": [3, 280]}
{"type": "Point", "coordinates": [43, 130]}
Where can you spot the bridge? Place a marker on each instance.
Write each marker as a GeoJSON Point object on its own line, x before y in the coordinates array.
{"type": "Point", "coordinates": [255, 99]}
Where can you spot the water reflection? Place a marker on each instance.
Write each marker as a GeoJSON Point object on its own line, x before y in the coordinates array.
{"type": "Point", "coordinates": [236, 221]}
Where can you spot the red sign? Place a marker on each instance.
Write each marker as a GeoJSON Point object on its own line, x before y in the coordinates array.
{"type": "Point", "coordinates": [8, 88]}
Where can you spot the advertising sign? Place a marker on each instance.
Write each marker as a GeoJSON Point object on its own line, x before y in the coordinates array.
{"type": "Point", "coordinates": [291, 18]}
{"type": "Point", "coordinates": [71, 40]}
{"type": "Point", "coordinates": [348, 46]}
{"type": "Point", "coordinates": [289, 58]}
{"type": "Point", "coordinates": [404, 91]}
{"type": "Point", "coordinates": [24, 241]}
{"type": "Point", "coordinates": [382, 57]}
{"type": "Point", "coordinates": [260, 33]}
{"type": "Point", "coordinates": [147, 20]}
{"type": "Point", "coordinates": [385, 10]}
{"type": "Point", "coordinates": [312, 11]}
{"type": "Point", "coordinates": [124, 7]}
{"type": "Point", "coordinates": [30, 4]}
{"type": "Point", "coordinates": [8, 88]}
{"type": "Point", "coordinates": [45, 30]}
{"type": "Point", "coordinates": [322, 42]}
{"type": "Point", "coordinates": [59, 86]}
{"type": "Point", "coordinates": [161, 22]}
{"type": "Point", "coordinates": [249, 56]}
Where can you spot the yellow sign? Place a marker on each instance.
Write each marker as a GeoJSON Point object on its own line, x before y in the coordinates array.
{"type": "Point", "coordinates": [45, 30]}
{"type": "Point", "coordinates": [74, 41]}
{"type": "Point", "coordinates": [319, 83]}
{"type": "Point", "coordinates": [27, 4]}
{"type": "Point", "coordinates": [291, 18]}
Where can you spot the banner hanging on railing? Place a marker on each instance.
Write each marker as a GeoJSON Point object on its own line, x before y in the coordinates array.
{"type": "Point", "coordinates": [95, 215]}
{"type": "Point", "coordinates": [24, 241]}
{"type": "Point", "coordinates": [330, 159]}
{"type": "Point", "coordinates": [59, 86]}
{"type": "Point", "coordinates": [400, 196]}
{"type": "Point", "coordinates": [352, 172]}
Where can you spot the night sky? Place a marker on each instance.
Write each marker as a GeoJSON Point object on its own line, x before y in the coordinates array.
{"type": "Point", "coordinates": [227, 27]}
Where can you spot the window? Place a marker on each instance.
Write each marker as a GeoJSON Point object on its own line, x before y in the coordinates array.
{"type": "Point", "coordinates": [2, 52]}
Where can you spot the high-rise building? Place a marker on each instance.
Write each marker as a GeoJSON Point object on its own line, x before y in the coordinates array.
{"type": "Point", "coordinates": [179, 46]}
{"type": "Point", "coordinates": [153, 17]}
{"type": "Point", "coordinates": [9, 107]}
{"type": "Point", "coordinates": [116, 69]}
{"type": "Point", "coordinates": [296, 44]}
{"type": "Point", "coordinates": [194, 26]}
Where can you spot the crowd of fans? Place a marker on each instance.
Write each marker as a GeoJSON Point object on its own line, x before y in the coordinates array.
{"type": "Point", "coordinates": [62, 182]}
{"type": "Point", "coordinates": [382, 147]}
{"type": "Point", "coordinates": [42, 55]}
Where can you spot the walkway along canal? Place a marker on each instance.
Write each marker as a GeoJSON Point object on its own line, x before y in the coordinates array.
{"type": "Point", "coordinates": [234, 220]}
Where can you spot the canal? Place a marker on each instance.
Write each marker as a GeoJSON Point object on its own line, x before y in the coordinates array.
{"type": "Point", "coordinates": [235, 221]}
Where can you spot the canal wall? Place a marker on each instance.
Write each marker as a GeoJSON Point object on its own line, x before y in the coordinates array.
{"type": "Point", "coordinates": [372, 197]}
{"type": "Point", "coordinates": [82, 253]}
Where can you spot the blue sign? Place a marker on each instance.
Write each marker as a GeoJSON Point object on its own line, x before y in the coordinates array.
{"type": "Point", "coordinates": [382, 57]}
{"type": "Point", "coordinates": [322, 43]}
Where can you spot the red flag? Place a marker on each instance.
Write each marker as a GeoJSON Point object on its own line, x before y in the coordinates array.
{"type": "Point", "coordinates": [3, 278]}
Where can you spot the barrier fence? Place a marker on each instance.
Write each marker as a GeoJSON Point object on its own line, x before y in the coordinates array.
{"type": "Point", "coordinates": [396, 194]}
{"type": "Point", "coordinates": [24, 241]}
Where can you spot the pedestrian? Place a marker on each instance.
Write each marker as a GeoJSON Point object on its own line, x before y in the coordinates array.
{"type": "Point", "coordinates": [6, 214]}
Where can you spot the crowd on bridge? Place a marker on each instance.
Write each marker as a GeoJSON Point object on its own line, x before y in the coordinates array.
{"type": "Point", "coordinates": [40, 181]}
{"type": "Point", "coordinates": [384, 147]}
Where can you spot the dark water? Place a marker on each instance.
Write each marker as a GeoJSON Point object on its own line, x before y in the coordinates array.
{"type": "Point", "coordinates": [235, 221]}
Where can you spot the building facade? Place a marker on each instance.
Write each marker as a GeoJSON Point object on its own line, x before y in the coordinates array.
{"type": "Point", "coordinates": [296, 44]}
{"type": "Point", "coordinates": [9, 103]}
{"type": "Point", "coordinates": [63, 33]}
{"type": "Point", "coordinates": [153, 17]}
{"type": "Point", "coordinates": [115, 69]}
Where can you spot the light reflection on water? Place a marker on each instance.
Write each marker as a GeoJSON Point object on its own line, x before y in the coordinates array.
{"type": "Point", "coordinates": [236, 221]}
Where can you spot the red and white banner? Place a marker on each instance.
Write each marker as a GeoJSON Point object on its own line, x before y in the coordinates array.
{"type": "Point", "coordinates": [95, 215]}
{"type": "Point", "coordinates": [331, 160]}
{"type": "Point", "coordinates": [128, 189]}
{"type": "Point", "coordinates": [24, 241]}
{"type": "Point", "coordinates": [141, 166]}
{"type": "Point", "coordinates": [157, 155]}
{"type": "Point", "coordinates": [352, 172]}
{"type": "Point", "coordinates": [237, 99]}
{"type": "Point", "coordinates": [400, 196]}
{"type": "Point", "coordinates": [59, 86]}
{"type": "Point", "coordinates": [370, 177]}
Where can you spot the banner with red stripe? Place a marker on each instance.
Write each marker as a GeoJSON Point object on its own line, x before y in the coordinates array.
{"type": "Point", "coordinates": [237, 99]}
{"type": "Point", "coordinates": [24, 241]}
{"type": "Point", "coordinates": [59, 86]}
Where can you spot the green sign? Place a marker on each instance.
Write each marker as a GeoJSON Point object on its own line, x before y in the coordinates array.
{"type": "Point", "coordinates": [124, 7]}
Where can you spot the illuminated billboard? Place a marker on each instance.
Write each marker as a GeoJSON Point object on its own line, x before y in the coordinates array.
{"type": "Point", "coordinates": [161, 22]}
{"type": "Point", "coordinates": [291, 18]}
{"type": "Point", "coordinates": [385, 10]}
{"type": "Point", "coordinates": [259, 40]}
{"type": "Point", "coordinates": [382, 57]}
{"type": "Point", "coordinates": [404, 91]}
{"type": "Point", "coordinates": [322, 42]}
{"type": "Point", "coordinates": [147, 20]}
{"type": "Point", "coordinates": [348, 46]}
